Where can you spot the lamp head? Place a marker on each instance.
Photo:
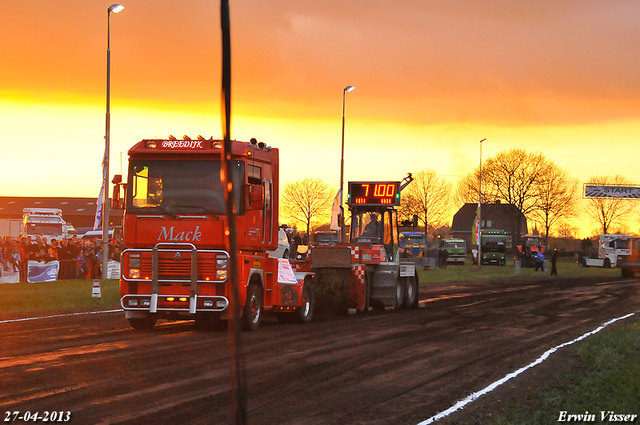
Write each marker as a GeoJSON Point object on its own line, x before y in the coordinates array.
{"type": "Point", "coordinates": [115, 8]}
{"type": "Point", "coordinates": [349, 88]}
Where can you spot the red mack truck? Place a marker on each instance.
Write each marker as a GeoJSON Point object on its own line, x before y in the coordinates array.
{"type": "Point", "coordinates": [176, 266]}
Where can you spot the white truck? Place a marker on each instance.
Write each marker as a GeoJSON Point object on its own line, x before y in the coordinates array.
{"type": "Point", "coordinates": [45, 222]}
{"type": "Point", "coordinates": [610, 247]}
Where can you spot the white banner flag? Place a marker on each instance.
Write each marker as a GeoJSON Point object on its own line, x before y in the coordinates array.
{"type": "Point", "coordinates": [335, 211]}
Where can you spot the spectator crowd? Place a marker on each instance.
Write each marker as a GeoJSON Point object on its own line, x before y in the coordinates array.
{"type": "Point", "coordinates": [78, 258]}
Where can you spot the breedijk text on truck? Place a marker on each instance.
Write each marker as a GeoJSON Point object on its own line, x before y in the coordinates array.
{"type": "Point", "coordinates": [176, 265]}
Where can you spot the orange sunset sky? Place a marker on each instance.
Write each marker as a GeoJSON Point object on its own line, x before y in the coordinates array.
{"type": "Point", "coordinates": [432, 78]}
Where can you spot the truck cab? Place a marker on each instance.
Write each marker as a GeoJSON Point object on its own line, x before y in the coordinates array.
{"type": "Point", "coordinates": [494, 247]}
{"type": "Point", "coordinates": [457, 250]}
{"type": "Point", "coordinates": [177, 262]}
{"type": "Point", "coordinates": [412, 244]}
{"type": "Point", "coordinates": [44, 222]}
{"type": "Point", "coordinates": [610, 249]}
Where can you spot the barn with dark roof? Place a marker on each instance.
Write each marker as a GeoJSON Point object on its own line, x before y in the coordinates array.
{"type": "Point", "coordinates": [496, 216]}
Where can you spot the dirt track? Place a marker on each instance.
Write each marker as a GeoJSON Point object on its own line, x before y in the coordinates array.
{"type": "Point", "coordinates": [382, 368]}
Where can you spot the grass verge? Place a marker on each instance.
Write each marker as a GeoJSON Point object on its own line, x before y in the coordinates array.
{"type": "Point", "coordinates": [567, 267]}
{"type": "Point", "coordinates": [607, 380]}
{"type": "Point", "coordinates": [28, 299]}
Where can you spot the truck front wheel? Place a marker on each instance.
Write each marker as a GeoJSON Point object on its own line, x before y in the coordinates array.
{"type": "Point", "coordinates": [305, 311]}
{"type": "Point", "coordinates": [252, 312]}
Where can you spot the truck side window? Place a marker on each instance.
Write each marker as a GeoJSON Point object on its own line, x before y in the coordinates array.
{"type": "Point", "coordinates": [254, 174]}
{"type": "Point", "coordinates": [147, 192]}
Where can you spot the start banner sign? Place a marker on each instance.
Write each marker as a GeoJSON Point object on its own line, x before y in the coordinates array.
{"type": "Point", "coordinates": [629, 192]}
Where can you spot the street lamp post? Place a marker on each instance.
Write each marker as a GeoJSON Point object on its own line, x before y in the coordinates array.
{"type": "Point", "coordinates": [344, 96]}
{"type": "Point", "coordinates": [115, 8]}
{"type": "Point", "coordinates": [480, 209]}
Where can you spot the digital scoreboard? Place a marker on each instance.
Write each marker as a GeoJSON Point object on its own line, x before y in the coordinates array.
{"type": "Point", "coordinates": [374, 194]}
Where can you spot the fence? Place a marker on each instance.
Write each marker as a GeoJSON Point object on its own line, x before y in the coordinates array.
{"type": "Point", "coordinates": [60, 270]}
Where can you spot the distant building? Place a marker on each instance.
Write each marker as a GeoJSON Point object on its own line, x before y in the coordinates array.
{"type": "Point", "coordinates": [80, 212]}
{"type": "Point", "coordinates": [496, 216]}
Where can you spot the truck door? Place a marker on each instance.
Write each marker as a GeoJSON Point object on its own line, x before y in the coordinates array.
{"type": "Point", "coordinates": [390, 236]}
{"type": "Point", "coordinates": [269, 213]}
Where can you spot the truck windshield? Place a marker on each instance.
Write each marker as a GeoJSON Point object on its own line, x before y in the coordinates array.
{"type": "Point", "coordinates": [622, 243]}
{"type": "Point", "coordinates": [415, 240]}
{"type": "Point", "coordinates": [181, 187]}
{"type": "Point", "coordinates": [326, 238]}
{"type": "Point", "coordinates": [490, 244]}
{"type": "Point", "coordinates": [44, 229]}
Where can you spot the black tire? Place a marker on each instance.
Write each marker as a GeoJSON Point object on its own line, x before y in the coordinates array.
{"type": "Point", "coordinates": [144, 324]}
{"type": "Point", "coordinates": [286, 254]}
{"type": "Point", "coordinates": [607, 263]}
{"type": "Point", "coordinates": [410, 291]}
{"type": "Point", "coordinates": [399, 294]}
{"type": "Point", "coordinates": [304, 314]}
{"type": "Point", "coordinates": [253, 309]}
{"type": "Point", "coordinates": [582, 262]}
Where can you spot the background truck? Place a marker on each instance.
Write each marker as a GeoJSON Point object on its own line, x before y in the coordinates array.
{"type": "Point", "coordinates": [629, 260]}
{"type": "Point", "coordinates": [45, 222]}
{"type": "Point", "coordinates": [176, 265]}
{"type": "Point", "coordinates": [457, 250]}
{"type": "Point", "coordinates": [412, 244]}
{"type": "Point", "coordinates": [368, 270]}
{"type": "Point", "coordinates": [610, 247]}
{"type": "Point", "coordinates": [494, 247]}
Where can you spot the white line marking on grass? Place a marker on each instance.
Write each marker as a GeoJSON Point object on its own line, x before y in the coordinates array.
{"type": "Point", "coordinates": [459, 405]}
{"type": "Point", "coordinates": [26, 319]}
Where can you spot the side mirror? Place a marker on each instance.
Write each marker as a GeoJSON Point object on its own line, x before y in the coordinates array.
{"type": "Point", "coordinates": [256, 197]}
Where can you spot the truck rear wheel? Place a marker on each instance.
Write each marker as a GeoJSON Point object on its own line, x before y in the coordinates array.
{"type": "Point", "coordinates": [252, 311]}
{"type": "Point", "coordinates": [399, 294]}
{"type": "Point", "coordinates": [410, 291]}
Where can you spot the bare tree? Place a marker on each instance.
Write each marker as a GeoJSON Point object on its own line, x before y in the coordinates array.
{"type": "Point", "coordinates": [306, 201]}
{"type": "Point", "coordinates": [566, 230]}
{"type": "Point", "coordinates": [609, 211]}
{"type": "Point", "coordinates": [467, 189]}
{"type": "Point", "coordinates": [557, 198]}
{"type": "Point", "coordinates": [428, 197]}
{"type": "Point", "coordinates": [513, 176]}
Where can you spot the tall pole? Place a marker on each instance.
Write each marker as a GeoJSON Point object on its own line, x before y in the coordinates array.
{"type": "Point", "coordinates": [115, 8]}
{"type": "Point", "coordinates": [236, 353]}
{"type": "Point", "coordinates": [480, 210]}
{"type": "Point", "coordinates": [344, 97]}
